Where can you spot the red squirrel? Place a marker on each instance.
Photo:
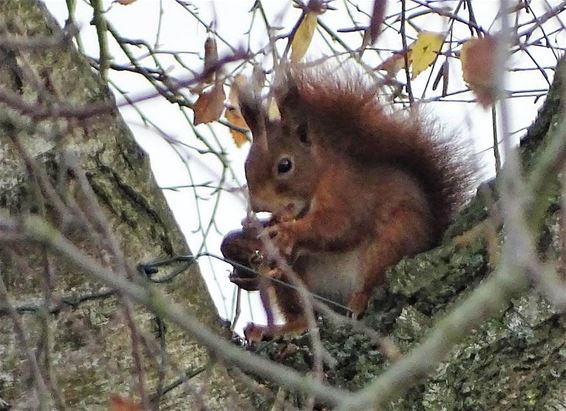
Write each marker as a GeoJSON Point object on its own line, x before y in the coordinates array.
{"type": "Point", "coordinates": [352, 188]}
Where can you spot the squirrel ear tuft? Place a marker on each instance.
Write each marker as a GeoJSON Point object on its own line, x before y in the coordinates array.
{"type": "Point", "coordinates": [287, 94]}
{"type": "Point", "coordinates": [250, 106]}
{"type": "Point", "coordinates": [253, 112]}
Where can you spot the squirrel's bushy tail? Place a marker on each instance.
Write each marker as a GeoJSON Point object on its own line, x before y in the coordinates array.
{"type": "Point", "coordinates": [346, 108]}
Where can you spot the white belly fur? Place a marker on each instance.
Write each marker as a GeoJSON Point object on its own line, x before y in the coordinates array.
{"type": "Point", "coordinates": [333, 275]}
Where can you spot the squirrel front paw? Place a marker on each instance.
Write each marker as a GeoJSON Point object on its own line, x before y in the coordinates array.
{"type": "Point", "coordinates": [282, 237]}
{"type": "Point", "coordinates": [255, 333]}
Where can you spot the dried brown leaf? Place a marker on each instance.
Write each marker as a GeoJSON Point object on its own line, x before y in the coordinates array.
{"type": "Point", "coordinates": [233, 114]}
{"type": "Point", "coordinates": [235, 118]}
{"type": "Point", "coordinates": [210, 57]}
{"type": "Point", "coordinates": [478, 68]}
{"type": "Point", "coordinates": [209, 105]}
{"type": "Point", "coordinates": [393, 64]}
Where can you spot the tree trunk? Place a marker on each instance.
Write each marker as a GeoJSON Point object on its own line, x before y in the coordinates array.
{"type": "Point", "coordinates": [84, 349]}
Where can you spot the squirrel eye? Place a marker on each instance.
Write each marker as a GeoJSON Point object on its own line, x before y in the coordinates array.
{"type": "Point", "coordinates": [284, 166]}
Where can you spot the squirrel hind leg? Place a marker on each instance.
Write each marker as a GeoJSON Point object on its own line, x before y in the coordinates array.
{"type": "Point", "coordinates": [376, 258]}
{"type": "Point", "coordinates": [393, 242]}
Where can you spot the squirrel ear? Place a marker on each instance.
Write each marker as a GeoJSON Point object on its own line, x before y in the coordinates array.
{"type": "Point", "coordinates": [253, 113]}
{"type": "Point", "coordinates": [287, 92]}
{"type": "Point", "coordinates": [249, 98]}
{"type": "Point", "coordinates": [251, 108]}
{"type": "Point", "coordinates": [303, 133]}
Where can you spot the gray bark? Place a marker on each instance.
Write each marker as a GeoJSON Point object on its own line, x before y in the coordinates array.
{"type": "Point", "coordinates": [85, 351]}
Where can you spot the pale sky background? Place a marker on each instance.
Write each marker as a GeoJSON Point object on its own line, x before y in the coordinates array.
{"type": "Point", "coordinates": [180, 31]}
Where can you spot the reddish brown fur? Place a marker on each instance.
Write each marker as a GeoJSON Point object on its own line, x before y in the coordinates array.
{"type": "Point", "coordinates": [349, 107]}
{"type": "Point", "coordinates": [366, 187]}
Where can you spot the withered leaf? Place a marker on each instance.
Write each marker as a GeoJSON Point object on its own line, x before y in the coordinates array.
{"type": "Point", "coordinates": [393, 64]}
{"type": "Point", "coordinates": [209, 105]}
{"type": "Point", "coordinates": [478, 68]}
{"type": "Point", "coordinates": [235, 118]}
{"type": "Point", "coordinates": [233, 114]}
{"type": "Point", "coordinates": [210, 57]}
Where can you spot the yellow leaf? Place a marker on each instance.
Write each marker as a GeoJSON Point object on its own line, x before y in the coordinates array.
{"type": "Point", "coordinates": [303, 36]}
{"type": "Point", "coordinates": [424, 51]}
